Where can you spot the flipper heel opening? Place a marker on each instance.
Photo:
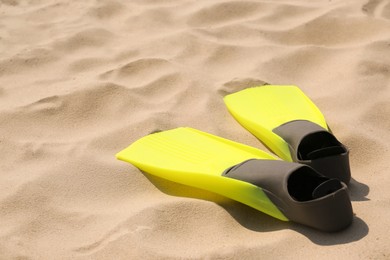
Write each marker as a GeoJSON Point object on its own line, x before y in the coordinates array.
{"type": "Point", "coordinates": [302, 194]}
{"type": "Point", "coordinates": [319, 144]}
{"type": "Point", "coordinates": [315, 146]}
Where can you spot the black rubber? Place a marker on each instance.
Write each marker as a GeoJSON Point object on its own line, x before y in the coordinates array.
{"type": "Point", "coordinates": [299, 192]}
{"type": "Point", "coordinates": [315, 146]}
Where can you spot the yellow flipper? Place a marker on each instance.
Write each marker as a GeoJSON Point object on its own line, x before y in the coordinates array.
{"type": "Point", "coordinates": [191, 157]}
{"type": "Point", "coordinates": [262, 109]}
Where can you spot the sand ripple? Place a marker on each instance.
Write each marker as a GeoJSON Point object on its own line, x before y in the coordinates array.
{"type": "Point", "coordinates": [80, 80]}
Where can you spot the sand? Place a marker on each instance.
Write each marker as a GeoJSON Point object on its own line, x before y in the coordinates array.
{"type": "Point", "coordinates": [81, 80]}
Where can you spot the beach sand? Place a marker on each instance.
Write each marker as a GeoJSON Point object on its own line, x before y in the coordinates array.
{"type": "Point", "coordinates": [81, 80]}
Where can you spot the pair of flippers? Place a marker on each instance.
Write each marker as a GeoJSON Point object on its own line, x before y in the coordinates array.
{"type": "Point", "coordinates": [308, 187]}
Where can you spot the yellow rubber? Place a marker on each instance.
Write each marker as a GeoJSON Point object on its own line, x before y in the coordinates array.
{"type": "Point", "coordinates": [261, 109]}
{"type": "Point", "coordinates": [195, 158]}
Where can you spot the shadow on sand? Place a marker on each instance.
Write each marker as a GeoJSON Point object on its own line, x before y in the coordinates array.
{"type": "Point", "coordinates": [260, 222]}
